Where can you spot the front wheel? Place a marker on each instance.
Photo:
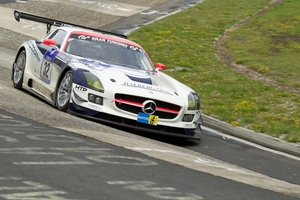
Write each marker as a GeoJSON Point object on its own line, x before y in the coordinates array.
{"type": "Point", "coordinates": [18, 70]}
{"type": "Point", "coordinates": [64, 91]}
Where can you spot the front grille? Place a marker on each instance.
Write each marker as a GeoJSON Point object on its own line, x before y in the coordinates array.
{"type": "Point", "coordinates": [134, 104]}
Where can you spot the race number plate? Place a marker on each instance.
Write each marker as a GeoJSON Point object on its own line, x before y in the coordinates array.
{"type": "Point", "coordinates": [46, 67]}
{"type": "Point", "coordinates": [147, 118]}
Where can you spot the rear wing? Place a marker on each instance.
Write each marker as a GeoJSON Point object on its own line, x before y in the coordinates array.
{"type": "Point", "coordinates": [51, 22]}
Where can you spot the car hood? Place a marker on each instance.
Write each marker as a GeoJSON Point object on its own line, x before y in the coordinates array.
{"type": "Point", "coordinates": [137, 79]}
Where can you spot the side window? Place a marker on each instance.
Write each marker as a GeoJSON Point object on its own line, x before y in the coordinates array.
{"type": "Point", "coordinates": [58, 36]}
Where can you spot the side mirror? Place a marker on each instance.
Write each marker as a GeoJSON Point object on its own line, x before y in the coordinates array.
{"type": "Point", "coordinates": [160, 66]}
{"type": "Point", "coordinates": [49, 42]}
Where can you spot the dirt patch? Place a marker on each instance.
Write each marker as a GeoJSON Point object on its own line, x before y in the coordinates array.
{"type": "Point", "coordinates": [224, 55]}
{"type": "Point", "coordinates": [282, 39]}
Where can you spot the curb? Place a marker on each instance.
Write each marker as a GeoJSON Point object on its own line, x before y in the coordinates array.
{"type": "Point", "coordinates": [252, 136]}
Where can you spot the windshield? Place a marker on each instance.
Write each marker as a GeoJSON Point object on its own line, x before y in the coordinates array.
{"type": "Point", "coordinates": [109, 51]}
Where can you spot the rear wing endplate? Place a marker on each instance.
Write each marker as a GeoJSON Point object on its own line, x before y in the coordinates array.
{"type": "Point", "coordinates": [51, 22]}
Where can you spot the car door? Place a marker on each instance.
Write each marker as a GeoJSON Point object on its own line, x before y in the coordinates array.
{"type": "Point", "coordinates": [49, 68]}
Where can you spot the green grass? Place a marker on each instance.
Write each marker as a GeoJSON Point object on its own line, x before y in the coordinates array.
{"type": "Point", "coordinates": [272, 44]}
{"type": "Point", "coordinates": [268, 44]}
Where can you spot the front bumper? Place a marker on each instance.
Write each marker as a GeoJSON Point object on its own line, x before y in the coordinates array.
{"type": "Point", "coordinates": [133, 124]}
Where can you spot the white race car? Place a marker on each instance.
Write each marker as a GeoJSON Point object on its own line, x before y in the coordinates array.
{"type": "Point", "coordinates": [105, 77]}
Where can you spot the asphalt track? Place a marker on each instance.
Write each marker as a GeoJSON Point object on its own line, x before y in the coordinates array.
{"type": "Point", "coordinates": [139, 16]}
{"type": "Point", "coordinates": [42, 162]}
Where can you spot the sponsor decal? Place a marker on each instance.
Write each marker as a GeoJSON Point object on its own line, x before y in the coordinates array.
{"type": "Point", "coordinates": [62, 24]}
{"type": "Point", "coordinates": [33, 50]}
{"type": "Point", "coordinates": [51, 54]}
{"type": "Point", "coordinates": [83, 37]}
{"type": "Point", "coordinates": [145, 80]}
{"type": "Point", "coordinates": [107, 41]}
{"type": "Point", "coordinates": [80, 88]}
{"type": "Point", "coordinates": [148, 87]}
{"type": "Point", "coordinates": [133, 48]}
{"type": "Point", "coordinates": [147, 118]}
{"type": "Point", "coordinates": [97, 65]}
{"type": "Point", "coordinates": [96, 39]}
{"type": "Point", "coordinates": [63, 58]}
{"type": "Point", "coordinates": [188, 125]}
{"type": "Point", "coordinates": [72, 64]}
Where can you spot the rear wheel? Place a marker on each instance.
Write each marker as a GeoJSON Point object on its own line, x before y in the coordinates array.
{"type": "Point", "coordinates": [64, 91]}
{"type": "Point", "coordinates": [18, 70]}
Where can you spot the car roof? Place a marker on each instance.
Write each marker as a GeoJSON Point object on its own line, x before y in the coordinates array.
{"type": "Point", "coordinates": [72, 30]}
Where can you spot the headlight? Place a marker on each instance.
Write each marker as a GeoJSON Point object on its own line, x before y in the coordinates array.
{"type": "Point", "coordinates": [93, 82]}
{"type": "Point", "coordinates": [193, 101]}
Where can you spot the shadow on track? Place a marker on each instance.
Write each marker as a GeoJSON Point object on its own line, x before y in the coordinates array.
{"type": "Point", "coordinates": [182, 142]}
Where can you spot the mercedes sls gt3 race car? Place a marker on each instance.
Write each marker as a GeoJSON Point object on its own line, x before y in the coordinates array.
{"type": "Point", "coordinates": [104, 77]}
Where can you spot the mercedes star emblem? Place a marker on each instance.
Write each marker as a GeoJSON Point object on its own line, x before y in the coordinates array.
{"type": "Point", "coordinates": [149, 107]}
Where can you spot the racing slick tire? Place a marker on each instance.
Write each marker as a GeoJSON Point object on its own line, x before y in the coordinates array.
{"type": "Point", "coordinates": [64, 91]}
{"type": "Point", "coordinates": [18, 70]}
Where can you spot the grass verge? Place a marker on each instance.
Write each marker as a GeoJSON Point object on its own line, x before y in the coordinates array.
{"type": "Point", "coordinates": [269, 44]}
